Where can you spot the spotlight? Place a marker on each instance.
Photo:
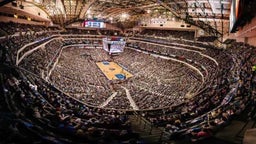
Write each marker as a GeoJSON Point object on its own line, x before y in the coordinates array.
{"type": "Point", "coordinates": [15, 15]}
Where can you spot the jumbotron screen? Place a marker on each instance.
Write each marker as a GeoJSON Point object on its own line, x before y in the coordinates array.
{"type": "Point", "coordinates": [93, 24]}
{"type": "Point", "coordinates": [114, 44]}
{"type": "Point", "coordinates": [117, 48]}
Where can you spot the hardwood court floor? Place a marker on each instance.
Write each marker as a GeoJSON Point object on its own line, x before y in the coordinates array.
{"type": "Point", "coordinates": [113, 71]}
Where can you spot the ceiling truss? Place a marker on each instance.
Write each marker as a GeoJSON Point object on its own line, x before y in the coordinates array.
{"type": "Point", "coordinates": [210, 15]}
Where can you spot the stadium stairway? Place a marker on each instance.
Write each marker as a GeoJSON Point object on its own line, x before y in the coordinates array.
{"type": "Point", "coordinates": [156, 135]}
{"type": "Point", "coordinates": [147, 132]}
{"type": "Point", "coordinates": [234, 133]}
{"type": "Point", "coordinates": [3, 33]}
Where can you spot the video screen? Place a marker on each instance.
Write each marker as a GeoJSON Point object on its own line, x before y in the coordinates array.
{"type": "Point", "coordinates": [113, 44]}
{"type": "Point", "coordinates": [117, 48]}
{"type": "Point", "coordinates": [94, 24]}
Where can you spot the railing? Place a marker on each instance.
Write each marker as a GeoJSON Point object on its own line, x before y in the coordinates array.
{"type": "Point", "coordinates": [148, 128]}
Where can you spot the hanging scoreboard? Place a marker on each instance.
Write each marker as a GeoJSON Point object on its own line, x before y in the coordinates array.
{"type": "Point", "coordinates": [93, 24]}
{"type": "Point", "coordinates": [113, 45]}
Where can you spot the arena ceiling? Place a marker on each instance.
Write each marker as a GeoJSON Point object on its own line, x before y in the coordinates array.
{"type": "Point", "coordinates": [211, 15]}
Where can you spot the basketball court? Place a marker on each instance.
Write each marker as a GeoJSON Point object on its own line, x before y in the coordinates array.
{"type": "Point", "coordinates": [113, 71]}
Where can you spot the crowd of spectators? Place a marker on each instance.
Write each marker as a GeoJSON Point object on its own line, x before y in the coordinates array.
{"type": "Point", "coordinates": [228, 97]}
{"type": "Point", "coordinates": [77, 74]}
{"type": "Point", "coordinates": [13, 44]}
{"type": "Point", "coordinates": [11, 28]}
{"type": "Point", "coordinates": [39, 61]}
{"type": "Point", "coordinates": [172, 39]}
{"type": "Point", "coordinates": [169, 80]}
{"type": "Point", "coordinates": [106, 32]}
{"type": "Point", "coordinates": [42, 114]}
{"type": "Point", "coordinates": [199, 58]}
{"type": "Point", "coordinates": [17, 35]}
{"type": "Point", "coordinates": [92, 31]}
{"type": "Point", "coordinates": [86, 41]}
{"type": "Point", "coordinates": [80, 31]}
{"type": "Point", "coordinates": [158, 86]}
{"type": "Point", "coordinates": [45, 115]}
{"type": "Point", "coordinates": [189, 35]}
